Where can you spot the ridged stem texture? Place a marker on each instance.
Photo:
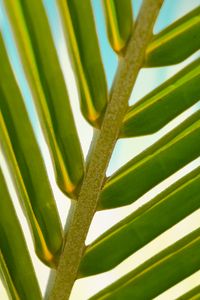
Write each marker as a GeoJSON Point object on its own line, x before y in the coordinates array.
{"type": "Point", "coordinates": [123, 84]}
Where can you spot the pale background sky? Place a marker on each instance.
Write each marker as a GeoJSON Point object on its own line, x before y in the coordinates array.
{"type": "Point", "coordinates": [124, 150]}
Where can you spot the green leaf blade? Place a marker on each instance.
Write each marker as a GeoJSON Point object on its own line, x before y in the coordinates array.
{"type": "Point", "coordinates": [172, 97]}
{"type": "Point", "coordinates": [173, 40]}
{"type": "Point", "coordinates": [15, 263]}
{"type": "Point", "coordinates": [79, 27]}
{"type": "Point", "coordinates": [159, 273]}
{"type": "Point", "coordinates": [30, 26]}
{"type": "Point", "coordinates": [119, 22]}
{"type": "Point", "coordinates": [142, 226]}
{"type": "Point", "coordinates": [20, 148]}
{"type": "Point", "coordinates": [155, 164]}
{"type": "Point", "coordinates": [193, 294]}
{"type": "Point", "coordinates": [7, 280]}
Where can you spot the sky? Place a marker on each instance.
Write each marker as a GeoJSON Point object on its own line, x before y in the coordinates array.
{"type": "Point", "coordinates": [124, 150]}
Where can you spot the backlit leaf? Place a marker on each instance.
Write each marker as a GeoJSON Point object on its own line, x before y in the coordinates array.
{"type": "Point", "coordinates": [40, 61]}
{"type": "Point", "coordinates": [159, 273]}
{"type": "Point", "coordinates": [155, 164]}
{"type": "Point", "coordinates": [176, 42]}
{"type": "Point", "coordinates": [119, 22]}
{"type": "Point", "coordinates": [164, 103]}
{"type": "Point", "coordinates": [139, 228]}
{"type": "Point", "coordinates": [27, 168]}
{"type": "Point", "coordinates": [79, 27]}
{"type": "Point", "coordinates": [15, 264]}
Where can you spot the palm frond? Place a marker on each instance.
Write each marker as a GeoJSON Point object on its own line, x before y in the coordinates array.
{"type": "Point", "coordinates": [15, 263]}
{"type": "Point", "coordinates": [86, 59]}
{"type": "Point", "coordinates": [143, 225]}
{"type": "Point", "coordinates": [30, 26]}
{"type": "Point", "coordinates": [20, 148]}
{"type": "Point", "coordinates": [111, 118]}
{"type": "Point", "coordinates": [119, 21]}
{"type": "Point", "coordinates": [168, 46]}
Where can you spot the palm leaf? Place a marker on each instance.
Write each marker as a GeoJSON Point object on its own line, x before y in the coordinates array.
{"type": "Point", "coordinates": [153, 165]}
{"type": "Point", "coordinates": [119, 21]}
{"type": "Point", "coordinates": [137, 48]}
{"type": "Point", "coordinates": [173, 97]}
{"type": "Point", "coordinates": [158, 274]}
{"type": "Point", "coordinates": [28, 171]}
{"type": "Point", "coordinates": [173, 39]}
{"type": "Point", "coordinates": [19, 277]}
{"type": "Point", "coordinates": [141, 226]}
{"type": "Point", "coordinates": [83, 45]}
{"type": "Point", "coordinates": [30, 26]}
{"type": "Point", "coordinates": [192, 295]}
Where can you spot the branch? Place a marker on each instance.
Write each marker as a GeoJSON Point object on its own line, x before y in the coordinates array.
{"type": "Point", "coordinates": [124, 81]}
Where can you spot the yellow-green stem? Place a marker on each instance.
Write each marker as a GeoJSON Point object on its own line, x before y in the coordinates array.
{"type": "Point", "coordinates": [124, 81]}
